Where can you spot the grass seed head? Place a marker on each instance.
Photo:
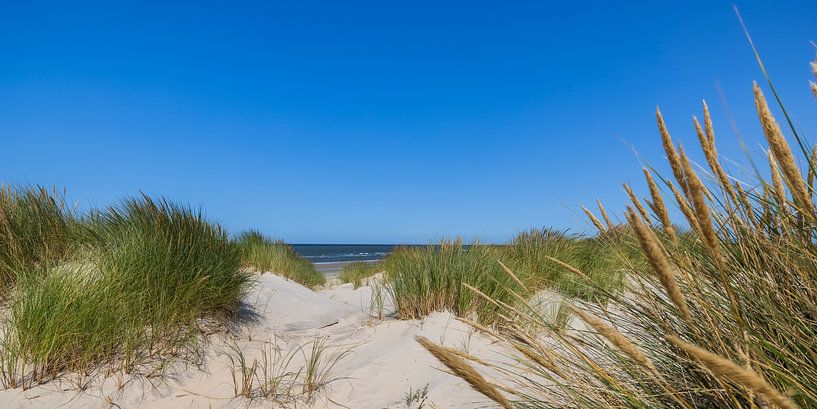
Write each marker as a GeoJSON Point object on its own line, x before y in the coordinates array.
{"type": "Point", "coordinates": [464, 371]}
{"type": "Point", "coordinates": [660, 264]}
{"type": "Point", "coordinates": [782, 153]}
{"type": "Point", "coordinates": [736, 373]}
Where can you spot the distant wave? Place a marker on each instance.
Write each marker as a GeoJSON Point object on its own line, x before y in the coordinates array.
{"type": "Point", "coordinates": [348, 255]}
{"type": "Point", "coordinates": [342, 253]}
{"type": "Point", "coordinates": [336, 262]}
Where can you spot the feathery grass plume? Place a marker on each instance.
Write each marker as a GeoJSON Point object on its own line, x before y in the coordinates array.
{"type": "Point", "coordinates": [672, 154]}
{"type": "Point", "coordinates": [604, 214]}
{"type": "Point", "coordinates": [783, 155]}
{"type": "Point", "coordinates": [746, 206]}
{"type": "Point", "coordinates": [697, 190]}
{"type": "Point", "coordinates": [736, 373]}
{"type": "Point", "coordinates": [659, 206]}
{"type": "Point", "coordinates": [465, 355]}
{"type": "Point", "coordinates": [697, 195]}
{"type": "Point", "coordinates": [707, 141]}
{"type": "Point", "coordinates": [570, 268]}
{"type": "Point", "coordinates": [768, 218]}
{"type": "Point", "coordinates": [464, 371]}
{"type": "Point", "coordinates": [593, 219]}
{"type": "Point", "coordinates": [710, 130]}
{"type": "Point", "coordinates": [777, 182]}
{"type": "Point", "coordinates": [512, 275]}
{"type": "Point", "coordinates": [658, 260]}
{"type": "Point", "coordinates": [501, 305]}
{"type": "Point", "coordinates": [534, 350]}
{"type": "Point", "coordinates": [626, 346]}
{"type": "Point", "coordinates": [685, 209]}
{"type": "Point", "coordinates": [703, 138]}
{"type": "Point", "coordinates": [539, 359]}
{"type": "Point", "coordinates": [641, 209]}
{"type": "Point", "coordinates": [616, 338]}
{"type": "Point", "coordinates": [771, 270]}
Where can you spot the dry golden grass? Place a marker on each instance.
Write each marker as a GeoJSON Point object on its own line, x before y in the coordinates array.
{"type": "Point", "coordinates": [683, 205]}
{"type": "Point", "coordinates": [464, 371]}
{"type": "Point", "coordinates": [777, 181]}
{"type": "Point", "coordinates": [616, 338]}
{"type": "Point", "coordinates": [696, 194]}
{"type": "Point", "coordinates": [782, 153]}
{"type": "Point", "coordinates": [672, 154]}
{"type": "Point", "coordinates": [660, 264]}
{"type": "Point", "coordinates": [637, 203]}
{"type": "Point", "coordinates": [707, 141]}
{"type": "Point", "coordinates": [593, 219]}
{"type": "Point", "coordinates": [604, 214]}
{"type": "Point", "coordinates": [736, 373]}
{"type": "Point", "coordinates": [724, 316]}
{"type": "Point", "coordinates": [658, 206]}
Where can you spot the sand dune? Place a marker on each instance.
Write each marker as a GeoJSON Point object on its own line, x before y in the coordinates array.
{"type": "Point", "coordinates": [382, 361]}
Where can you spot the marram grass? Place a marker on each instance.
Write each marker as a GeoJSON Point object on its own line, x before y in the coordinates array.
{"type": "Point", "coordinates": [358, 271]}
{"type": "Point", "coordinates": [262, 254]}
{"type": "Point", "coordinates": [36, 229]}
{"type": "Point", "coordinates": [723, 316]}
{"type": "Point", "coordinates": [133, 282]}
{"type": "Point", "coordinates": [424, 279]}
{"type": "Point", "coordinates": [602, 260]}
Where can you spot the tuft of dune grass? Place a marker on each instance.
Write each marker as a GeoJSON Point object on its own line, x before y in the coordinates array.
{"type": "Point", "coordinates": [358, 271]}
{"type": "Point", "coordinates": [473, 281]}
{"type": "Point", "coordinates": [36, 229]}
{"type": "Point", "coordinates": [424, 279]}
{"type": "Point", "coordinates": [262, 254]}
{"type": "Point", "coordinates": [724, 314]}
{"type": "Point", "coordinates": [135, 281]}
{"type": "Point", "coordinates": [530, 255]}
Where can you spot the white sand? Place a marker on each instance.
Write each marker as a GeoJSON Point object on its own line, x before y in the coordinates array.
{"type": "Point", "coordinates": [384, 361]}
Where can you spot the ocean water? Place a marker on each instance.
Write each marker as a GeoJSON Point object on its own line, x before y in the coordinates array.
{"type": "Point", "coordinates": [343, 253]}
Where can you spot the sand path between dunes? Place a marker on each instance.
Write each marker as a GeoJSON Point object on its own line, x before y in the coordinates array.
{"type": "Point", "coordinates": [382, 364]}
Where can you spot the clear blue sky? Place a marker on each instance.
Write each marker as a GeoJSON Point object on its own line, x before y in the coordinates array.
{"type": "Point", "coordinates": [378, 122]}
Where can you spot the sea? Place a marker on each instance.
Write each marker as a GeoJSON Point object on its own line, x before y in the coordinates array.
{"type": "Point", "coordinates": [330, 258]}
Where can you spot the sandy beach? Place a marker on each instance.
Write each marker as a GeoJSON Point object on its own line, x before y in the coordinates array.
{"type": "Point", "coordinates": [382, 362]}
